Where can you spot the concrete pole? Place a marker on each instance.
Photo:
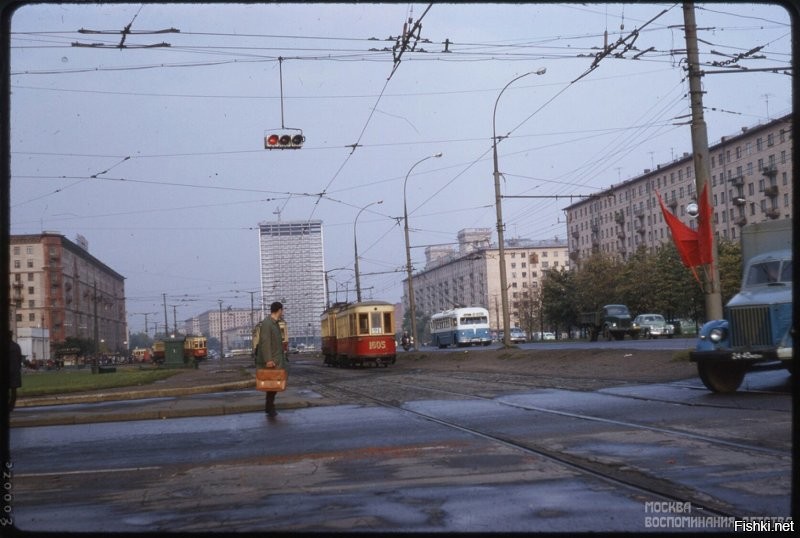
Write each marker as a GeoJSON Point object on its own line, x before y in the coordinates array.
{"type": "Point", "coordinates": [702, 165]}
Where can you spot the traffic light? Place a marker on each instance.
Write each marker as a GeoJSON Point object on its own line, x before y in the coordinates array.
{"type": "Point", "coordinates": [281, 140]}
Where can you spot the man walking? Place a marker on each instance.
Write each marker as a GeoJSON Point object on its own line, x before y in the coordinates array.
{"type": "Point", "coordinates": [270, 350]}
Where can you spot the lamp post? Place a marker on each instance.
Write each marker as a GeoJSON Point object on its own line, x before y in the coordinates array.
{"type": "Point", "coordinates": [355, 249]}
{"type": "Point", "coordinates": [498, 205]}
{"type": "Point", "coordinates": [411, 307]}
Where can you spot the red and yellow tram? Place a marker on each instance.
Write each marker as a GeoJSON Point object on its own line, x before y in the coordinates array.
{"type": "Point", "coordinates": [359, 333]}
{"type": "Point", "coordinates": [195, 347]}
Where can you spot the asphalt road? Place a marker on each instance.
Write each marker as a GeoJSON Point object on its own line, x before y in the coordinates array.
{"type": "Point", "coordinates": [457, 454]}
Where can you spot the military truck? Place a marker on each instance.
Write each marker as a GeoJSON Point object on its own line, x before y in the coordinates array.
{"type": "Point", "coordinates": [756, 330]}
{"type": "Point", "coordinates": [613, 321]}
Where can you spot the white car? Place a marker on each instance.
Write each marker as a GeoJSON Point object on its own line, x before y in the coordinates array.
{"type": "Point", "coordinates": [654, 325]}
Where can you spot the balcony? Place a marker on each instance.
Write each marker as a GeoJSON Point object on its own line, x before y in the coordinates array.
{"type": "Point", "coordinates": [737, 181]}
{"type": "Point", "coordinates": [621, 234]}
{"type": "Point", "coordinates": [738, 201]}
{"type": "Point", "coordinates": [740, 221]}
{"type": "Point", "coordinates": [619, 217]}
{"type": "Point", "coordinates": [575, 233]}
{"type": "Point", "coordinates": [573, 255]}
{"type": "Point", "coordinates": [773, 212]}
{"type": "Point", "coordinates": [771, 191]}
{"type": "Point", "coordinates": [638, 212]}
{"type": "Point", "coordinates": [770, 171]}
{"type": "Point", "coordinates": [595, 227]}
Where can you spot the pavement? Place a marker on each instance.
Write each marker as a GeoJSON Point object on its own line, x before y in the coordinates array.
{"type": "Point", "coordinates": [214, 388]}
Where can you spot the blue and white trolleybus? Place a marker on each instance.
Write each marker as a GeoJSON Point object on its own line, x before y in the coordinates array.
{"type": "Point", "coordinates": [461, 327]}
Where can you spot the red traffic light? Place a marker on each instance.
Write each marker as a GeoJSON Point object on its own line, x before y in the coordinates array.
{"type": "Point", "coordinates": [283, 141]}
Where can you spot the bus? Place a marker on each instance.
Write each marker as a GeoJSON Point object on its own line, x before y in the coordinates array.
{"type": "Point", "coordinates": [461, 327]}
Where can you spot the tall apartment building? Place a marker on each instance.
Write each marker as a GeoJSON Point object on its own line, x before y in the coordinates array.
{"type": "Point", "coordinates": [293, 272]}
{"type": "Point", "coordinates": [59, 286]}
{"type": "Point", "coordinates": [470, 276]}
{"type": "Point", "coordinates": [751, 181]}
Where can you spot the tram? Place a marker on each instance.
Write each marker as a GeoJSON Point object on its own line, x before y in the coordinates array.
{"type": "Point", "coordinates": [194, 347]}
{"type": "Point", "coordinates": [358, 334]}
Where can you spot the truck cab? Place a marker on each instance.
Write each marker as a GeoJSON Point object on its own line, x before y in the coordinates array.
{"type": "Point", "coordinates": [757, 330]}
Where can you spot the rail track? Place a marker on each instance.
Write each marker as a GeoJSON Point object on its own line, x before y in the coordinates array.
{"type": "Point", "coordinates": [393, 389]}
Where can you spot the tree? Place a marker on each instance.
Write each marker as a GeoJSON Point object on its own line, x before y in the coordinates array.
{"type": "Point", "coordinates": [558, 293]}
{"type": "Point", "coordinates": [140, 339]}
{"type": "Point", "coordinates": [597, 283]}
{"type": "Point", "coordinates": [729, 259]}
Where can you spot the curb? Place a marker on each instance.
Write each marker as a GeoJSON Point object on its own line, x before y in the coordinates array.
{"type": "Point", "coordinates": [162, 414]}
{"type": "Point", "coordinates": [45, 401]}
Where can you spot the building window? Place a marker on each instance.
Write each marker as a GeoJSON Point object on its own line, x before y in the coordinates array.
{"type": "Point", "coordinates": [31, 290]}
{"type": "Point", "coordinates": [30, 264]}
{"type": "Point", "coordinates": [16, 251]}
{"type": "Point", "coordinates": [17, 264]}
{"type": "Point", "coordinates": [770, 139]}
{"type": "Point", "coordinates": [31, 317]}
{"type": "Point", "coordinates": [759, 144]}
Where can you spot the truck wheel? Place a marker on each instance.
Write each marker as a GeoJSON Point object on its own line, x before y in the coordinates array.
{"type": "Point", "coordinates": [721, 377]}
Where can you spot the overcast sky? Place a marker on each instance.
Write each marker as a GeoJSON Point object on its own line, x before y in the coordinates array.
{"type": "Point", "coordinates": [154, 151]}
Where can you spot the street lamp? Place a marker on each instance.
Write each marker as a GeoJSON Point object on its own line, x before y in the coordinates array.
{"type": "Point", "coordinates": [500, 238]}
{"type": "Point", "coordinates": [411, 307]}
{"type": "Point", "coordinates": [355, 248]}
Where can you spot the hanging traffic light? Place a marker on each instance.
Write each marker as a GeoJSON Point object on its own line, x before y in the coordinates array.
{"type": "Point", "coordinates": [283, 140]}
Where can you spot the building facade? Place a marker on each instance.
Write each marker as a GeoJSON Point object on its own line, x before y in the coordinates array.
{"type": "Point", "coordinates": [470, 275]}
{"type": "Point", "coordinates": [751, 181]}
{"type": "Point", "coordinates": [59, 286]}
{"type": "Point", "coordinates": [234, 325]}
{"type": "Point", "coordinates": [293, 272]}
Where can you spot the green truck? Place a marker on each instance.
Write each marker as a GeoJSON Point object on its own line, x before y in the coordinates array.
{"type": "Point", "coordinates": [613, 321]}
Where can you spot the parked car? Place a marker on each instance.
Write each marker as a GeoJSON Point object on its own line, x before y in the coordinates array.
{"type": "Point", "coordinates": [543, 336]}
{"type": "Point", "coordinates": [517, 336]}
{"type": "Point", "coordinates": [654, 325]}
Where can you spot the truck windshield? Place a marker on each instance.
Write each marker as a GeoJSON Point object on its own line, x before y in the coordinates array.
{"type": "Point", "coordinates": [770, 271]}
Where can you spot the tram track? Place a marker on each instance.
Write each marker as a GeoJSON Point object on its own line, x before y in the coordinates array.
{"type": "Point", "coordinates": [618, 475]}
{"type": "Point", "coordinates": [387, 390]}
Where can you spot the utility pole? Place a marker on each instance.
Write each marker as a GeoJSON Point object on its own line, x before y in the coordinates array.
{"type": "Point", "coordinates": [702, 166]}
{"type": "Point", "coordinates": [166, 320]}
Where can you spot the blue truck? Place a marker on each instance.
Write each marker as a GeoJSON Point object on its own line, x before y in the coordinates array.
{"type": "Point", "coordinates": [757, 328]}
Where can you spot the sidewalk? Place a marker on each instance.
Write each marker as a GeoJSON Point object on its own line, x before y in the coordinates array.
{"type": "Point", "coordinates": [215, 388]}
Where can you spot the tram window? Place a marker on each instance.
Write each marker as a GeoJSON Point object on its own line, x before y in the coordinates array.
{"type": "Point", "coordinates": [387, 322]}
{"type": "Point", "coordinates": [363, 324]}
{"type": "Point", "coordinates": [375, 323]}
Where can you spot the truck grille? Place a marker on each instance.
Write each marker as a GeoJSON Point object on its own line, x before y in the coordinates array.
{"type": "Point", "coordinates": [750, 327]}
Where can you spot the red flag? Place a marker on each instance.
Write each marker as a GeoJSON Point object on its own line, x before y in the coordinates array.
{"type": "Point", "coordinates": [686, 240]}
{"type": "Point", "coordinates": [704, 229]}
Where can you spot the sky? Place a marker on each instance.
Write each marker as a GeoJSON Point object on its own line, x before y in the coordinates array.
{"type": "Point", "coordinates": [154, 150]}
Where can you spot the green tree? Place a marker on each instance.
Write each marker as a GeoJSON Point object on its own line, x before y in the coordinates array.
{"type": "Point", "coordinates": [729, 259]}
{"type": "Point", "coordinates": [558, 293]}
{"type": "Point", "coordinates": [597, 283]}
